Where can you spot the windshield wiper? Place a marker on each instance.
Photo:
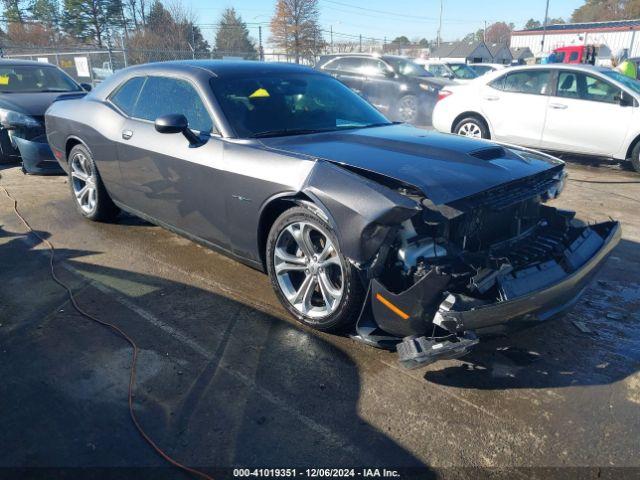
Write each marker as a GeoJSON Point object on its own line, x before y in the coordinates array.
{"type": "Point", "coordinates": [290, 131]}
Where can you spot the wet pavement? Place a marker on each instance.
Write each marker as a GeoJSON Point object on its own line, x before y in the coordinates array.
{"type": "Point", "coordinates": [226, 378]}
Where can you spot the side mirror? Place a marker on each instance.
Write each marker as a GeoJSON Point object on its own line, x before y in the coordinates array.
{"type": "Point", "coordinates": [626, 100]}
{"type": "Point", "coordinates": [176, 123]}
{"type": "Point", "coordinates": [389, 73]}
{"type": "Point", "coordinates": [448, 75]}
{"type": "Point", "coordinates": [86, 87]}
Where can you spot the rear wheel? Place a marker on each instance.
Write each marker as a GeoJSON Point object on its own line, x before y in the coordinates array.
{"type": "Point", "coordinates": [635, 157]}
{"type": "Point", "coordinates": [472, 127]}
{"type": "Point", "coordinates": [309, 273]}
{"type": "Point", "coordinates": [90, 196]}
{"type": "Point", "coordinates": [407, 109]}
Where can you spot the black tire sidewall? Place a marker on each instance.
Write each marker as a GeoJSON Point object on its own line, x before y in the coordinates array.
{"type": "Point", "coordinates": [484, 130]}
{"type": "Point", "coordinates": [635, 158]}
{"type": "Point", "coordinates": [350, 304]}
{"type": "Point", "coordinates": [105, 209]}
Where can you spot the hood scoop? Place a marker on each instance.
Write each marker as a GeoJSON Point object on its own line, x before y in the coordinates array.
{"type": "Point", "coordinates": [491, 153]}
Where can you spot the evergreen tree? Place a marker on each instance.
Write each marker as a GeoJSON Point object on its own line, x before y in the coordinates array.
{"type": "Point", "coordinates": [232, 37]}
{"type": "Point", "coordinates": [86, 20]}
{"type": "Point", "coordinates": [13, 11]}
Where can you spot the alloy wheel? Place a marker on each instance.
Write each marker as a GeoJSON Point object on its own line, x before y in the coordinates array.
{"type": "Point", "coordinates": [470, 129]}
{"type": "Point", "coordinates": [408, 109]}
{"type": "Point", "coordinates": [308, 269]}
{"type": "Point", "coordinates": [83, 178]}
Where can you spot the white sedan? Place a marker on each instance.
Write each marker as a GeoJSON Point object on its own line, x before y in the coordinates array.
{"type": "Point", "coordinates": [567, 108]}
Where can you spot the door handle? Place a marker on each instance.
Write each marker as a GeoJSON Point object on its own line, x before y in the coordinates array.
{"type": "Point", "coordinates": [492, 98]}
{"type": "Point", "coordinates": [127, 134]}
{"type": "Point", "coordinates": [558, 106]}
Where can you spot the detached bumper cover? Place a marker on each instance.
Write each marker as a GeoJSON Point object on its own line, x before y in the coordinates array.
{"type": "Point", "coordinates": [37, 156]}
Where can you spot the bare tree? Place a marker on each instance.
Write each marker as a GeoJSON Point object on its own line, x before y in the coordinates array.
{"type": "Point", "coordinates": [295, 28]}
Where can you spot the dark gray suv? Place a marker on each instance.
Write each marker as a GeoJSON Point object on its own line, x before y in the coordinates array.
{"type": "Point", "coordinates": [398, 87]}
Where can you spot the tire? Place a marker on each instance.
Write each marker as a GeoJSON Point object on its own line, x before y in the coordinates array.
{"type": "Point", "coordinates": [473, 126]}
{"type": "Point", "coordinates": [407, 109]}
{"type": "Point", "coordinates": [321, 309]}
{"type": "Point", "coordinates": [635, 157]}
{"type": "Point", "coordinates": [95, 203]}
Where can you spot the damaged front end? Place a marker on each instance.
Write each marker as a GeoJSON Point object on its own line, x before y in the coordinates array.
{"type": "Point", "coordinates": [485, 264]}
{"type": "Point", "coordinates": [23, 138]}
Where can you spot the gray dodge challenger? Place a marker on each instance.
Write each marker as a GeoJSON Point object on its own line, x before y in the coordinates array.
{"type": "Point", "coordinates": [403, 238]}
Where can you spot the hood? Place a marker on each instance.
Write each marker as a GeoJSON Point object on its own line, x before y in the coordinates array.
{"type": "Point", "coordinates": [444, 167]}
{"type": "Point", "coordinates": [34, 104]}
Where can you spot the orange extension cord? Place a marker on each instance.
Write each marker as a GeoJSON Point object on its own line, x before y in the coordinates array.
{"type": "Point", "coordinates": [119, 331]}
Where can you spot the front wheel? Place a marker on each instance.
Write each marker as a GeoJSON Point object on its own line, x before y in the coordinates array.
{"type": "Point", "coordinates": [309, 273]}
{"type": "Point", "coordinates": [472, 127]}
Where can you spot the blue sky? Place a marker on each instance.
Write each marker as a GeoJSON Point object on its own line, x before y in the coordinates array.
{"type": "Point", "coordinates": [413, 18]}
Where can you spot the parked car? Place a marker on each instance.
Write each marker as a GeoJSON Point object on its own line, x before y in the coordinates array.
{"type": "Point", "coordinates": [561, 107]}
{"type": "Point", "coordinates": [394, 85]}
{"type": "Point", "coordinates": [460, 72]}
{"type": "Point", "coordinates": [26, 91]}
{"type": "Point", "coordinates": [382, 230]}
{"type": "Point", "coordinates": [482, 68]}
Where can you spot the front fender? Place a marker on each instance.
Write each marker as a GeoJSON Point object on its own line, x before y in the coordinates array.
{"type": "Point", "coordinates": [361, 210]}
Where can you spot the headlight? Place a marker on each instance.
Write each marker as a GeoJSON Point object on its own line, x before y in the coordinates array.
{"type": "Point", "coordinates": [427, 87]}
{"type": "Point", "coordinates": [10, 119]}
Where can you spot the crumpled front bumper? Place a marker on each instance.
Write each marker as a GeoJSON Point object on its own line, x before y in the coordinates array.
{"type": "Point", "coordinates": [37, 157]}
{"type": "Point", "coordinates": [540, 296]}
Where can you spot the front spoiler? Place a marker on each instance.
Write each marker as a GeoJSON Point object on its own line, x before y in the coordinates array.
{"type": "Point", "coordinates": [381, 326]}
{"type": "Point", "coordinates": [37, 157]}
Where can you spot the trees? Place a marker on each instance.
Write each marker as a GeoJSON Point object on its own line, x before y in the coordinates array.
{"type": "Point", "coordinates": [603, 10]}
{"type": "Point", "coordinates": [232, 37]}
{"type": "Point", "coordinates": [499, 32]}
{"type": "Point", "coordinates": [86, 20]}
{"type": "Point", "coordinates": [295, 28]}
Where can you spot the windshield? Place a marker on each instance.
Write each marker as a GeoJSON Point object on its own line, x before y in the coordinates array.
{"type": "Point", "coordinates": [30, 79]}
{"type": "Point", "coordinates": [281, 104]}
{"type": "Point", "coordinates": [407, 67]}
{"type": "Point", "coordinates": [628, 82]}
{"type": "Point", "coordinates": [462, 71]}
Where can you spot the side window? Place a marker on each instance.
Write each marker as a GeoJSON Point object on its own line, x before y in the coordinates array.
{"type": "Point", "coordinates": [585, 87]}
{"type": "Point", "coordinates": [162, 96]}
{"type": "Point", "coordinates": [126, 94]}
{"type": "Point", "coordinates": [600, 91]}
{"type": "Point", "coordinates": [568, 85]}
{"type": "Point", "coordinates": [373, 67]}
{"type": "Point", "coordinates": [535, 82]}
{"type": "Point", "coordinates": [573, 56]}
{"type": "Point", "coordinates": [349, 64]}
{"type": "Point", "coordinates": [437, 70]}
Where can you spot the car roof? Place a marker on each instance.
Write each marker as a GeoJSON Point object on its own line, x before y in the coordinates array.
{"type": "Point", "coordinates": [561, 66]}
{"type": "Point", "coordinates": [12, 62]}
{"type": "Point", "coordinates": [224, 68]}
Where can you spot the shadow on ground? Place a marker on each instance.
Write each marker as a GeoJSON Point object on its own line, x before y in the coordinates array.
{"type": "Point", "coordinates": [220, 384]}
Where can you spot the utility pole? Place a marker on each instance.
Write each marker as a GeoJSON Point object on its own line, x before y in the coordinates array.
{"type": "Point", "coordinates": [484, 32]}
{"type": "Point", "coordinates": [193, 41]}
{"type": "Point", "coordinates": [331, 33]}
{"type": "Point", "coordinates": [260, 49]}
{"type": "Point", "coordinates": [440, 24]}
{"type": "Point", "coordinates": [360, 50]}
{"type": "Point", "coordinates": [544, 27]}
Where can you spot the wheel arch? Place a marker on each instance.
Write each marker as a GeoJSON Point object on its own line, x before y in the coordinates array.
{"type": "Point", "coordinates": [71, 142]}
{"type": "Point", "coordinates": [631, 146]}
{"type": "Point", "coordinates": [274, 207]}
{"type": "Point", "coordinates": [472, 113]}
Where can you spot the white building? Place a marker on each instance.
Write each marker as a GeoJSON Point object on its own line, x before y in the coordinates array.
{"type": "Point", "coordinates": [615, 35]}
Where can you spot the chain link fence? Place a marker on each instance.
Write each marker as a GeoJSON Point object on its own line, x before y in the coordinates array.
{"type": "Point", "coordinates": [93, 66]}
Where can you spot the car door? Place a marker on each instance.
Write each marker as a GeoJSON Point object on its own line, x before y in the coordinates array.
{"type": "Point", "coordinates": [380, 85]}
{"type": "Point", "coordinates": [348, 71]}
{"type": "Point", "coordinates": [585, 115]}
{"type": "Point", "coordinates": [167, 178]}
{"type": "Point", "coordinates": [516, 104]}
